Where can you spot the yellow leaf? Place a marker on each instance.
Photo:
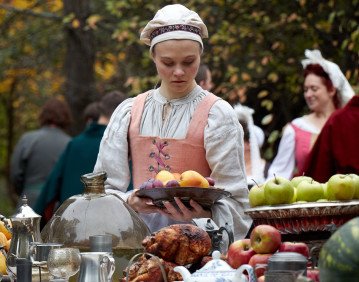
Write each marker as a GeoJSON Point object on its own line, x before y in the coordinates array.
{"type": "Point", "coordinates": [273, 77]}
{"type": "Point", "coordinates": [5, 85]}
{"type": "Point", "coordinates": [75, 23]}
{"type": "Point", "coordinates": [245, 76]}
{"type": "Point", "coordinates": [233, 79]}
{"type": "Point", "coordinates": [263, 94]}
{"type": "Point", "coordinates": [92, 21]}
{"type": "Point", "coordinates": [121, 56]}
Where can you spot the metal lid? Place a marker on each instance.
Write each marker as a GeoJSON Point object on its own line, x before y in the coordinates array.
{"type": "Point", "coordinates": [288, 256]}
{"type": "Point", "coordinates": [25, 211]}
{"type": "Point", "coordinates": [287, 261]}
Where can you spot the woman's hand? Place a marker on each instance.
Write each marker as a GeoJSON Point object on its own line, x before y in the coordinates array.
{"type": "Point", "coordinates": [184, 214]}
{"type": "Point", "coordinates": [143, 205]}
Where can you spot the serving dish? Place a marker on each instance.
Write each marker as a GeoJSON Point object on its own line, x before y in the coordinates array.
{"type": "Point", "coordinates": [305, 217]}
{"type": "Point", "coordinates": [206, 197]}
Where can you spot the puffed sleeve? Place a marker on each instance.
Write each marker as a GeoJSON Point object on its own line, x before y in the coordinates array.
{"type": "Point", "coordinates": [284, 162]}
{"type": "Point", "coordinates": [113, 156]}
{"type": "Point", "coordinates": [225, 155]}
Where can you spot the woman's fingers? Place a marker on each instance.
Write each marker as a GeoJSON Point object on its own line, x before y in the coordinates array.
{"type": "Point", "coordinates": [143, 205]}
{"type": "Point", "coordinates": [183, 213]}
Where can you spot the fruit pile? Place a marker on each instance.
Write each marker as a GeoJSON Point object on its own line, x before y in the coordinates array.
{"type": "Point", "coordinates": [303, 189]}
{"type": "Point", "coordinates": [5, 240]}
{"type": "Point", "coordinates": [189, 178]}
{"type": "Point", "coordinates": [265, 240]}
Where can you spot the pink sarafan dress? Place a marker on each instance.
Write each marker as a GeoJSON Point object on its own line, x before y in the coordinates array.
{"type": "Point", "coordinates": [304, 141]}
{"type": "Point", "coordinates": [151, 154]}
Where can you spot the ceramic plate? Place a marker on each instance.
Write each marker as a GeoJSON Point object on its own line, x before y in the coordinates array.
{"type": "Point", "coordinates": [206, 197]}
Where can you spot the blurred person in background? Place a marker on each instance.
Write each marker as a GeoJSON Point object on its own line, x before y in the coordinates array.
{"type": "Point", "coordinates": [253, 140]}
{"type": "Point", "coordinates": [37, 151]}
{"type": "Point", "coordinates": [325, 90]}
{"type": "Point", "coordinates": [204, 77]}
{"type": "Point", "coordinates": [78, 158]}
{"type": "Point", "coordinates": [91, 113]}
{"type": "Point", "coordinates": [336, 149]}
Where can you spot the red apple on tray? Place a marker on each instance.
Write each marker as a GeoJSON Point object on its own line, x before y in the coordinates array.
{"type": "Point", "coordinates": [313, 274]}
{"type": "Point", "coordinates": [265, 239]}
{"type": "Point", "coordinates": [259, 263]}
{"type": "Point", "coordinates": [239, 252]}
{"type": "Point", "coordinates": [297, 247]}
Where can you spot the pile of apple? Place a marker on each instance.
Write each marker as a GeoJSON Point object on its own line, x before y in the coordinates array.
{"type": "Point", "coordinates": [189, 178]}
{"type": "Point", "coordinates": [265, 240]}
{"type": "Point", "coordinates": [303, 189]}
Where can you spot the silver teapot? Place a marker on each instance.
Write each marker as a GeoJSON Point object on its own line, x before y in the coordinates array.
{"type": "Point", "coordinates": [220, 240]}
{"type": "Point", "coordinates": [25, 230]}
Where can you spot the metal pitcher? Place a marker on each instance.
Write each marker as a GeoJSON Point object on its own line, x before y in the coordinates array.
{"type": "Point", "coordinates": [220, 242]}
{"type": "Point", "coordinates": [96, 267]}
{"type": "Point", "coordinates": [25, 230]}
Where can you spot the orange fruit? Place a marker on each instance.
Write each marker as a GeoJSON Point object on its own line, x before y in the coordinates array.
{"type": "Point", "coordinates": [4, 230]}
{"type": "Point", "coordinates": [3, 239]}
{"type": "Point", "coordinates": [177, 176]}
{"type": "Point", "coordinates": [7, 246]}
{"type": "Point", "coordinates": [2, 264]}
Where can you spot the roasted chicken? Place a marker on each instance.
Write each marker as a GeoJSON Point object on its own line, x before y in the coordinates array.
{"type": "Point", "coordinates": [181, 244]}
{"type": "Point", "coordinates": [147, 269]}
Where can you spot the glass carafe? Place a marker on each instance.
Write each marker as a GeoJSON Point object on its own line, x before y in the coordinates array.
{"type": "Point", "coordinates": [96, 213]}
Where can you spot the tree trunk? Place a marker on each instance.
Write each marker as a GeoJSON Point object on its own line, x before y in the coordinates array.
{"type": "Point", "coordinates": [79, 61]}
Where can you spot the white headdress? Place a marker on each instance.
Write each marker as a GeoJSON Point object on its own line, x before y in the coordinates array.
{"type": "Point", "coordinates": [245, 113]}
{"type": "Point", "coordinates": [174, 22]}
{"type": "Point", "coordinates": [345, 91]}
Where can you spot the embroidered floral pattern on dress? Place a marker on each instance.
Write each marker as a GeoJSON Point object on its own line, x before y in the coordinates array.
{"type": "Point", "coordinates": [175, 27]}
{"type": "Point", "coordinates": [159, 156]}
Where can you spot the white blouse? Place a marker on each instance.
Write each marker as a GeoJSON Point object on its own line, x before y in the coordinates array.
{"type": "Point", "coordinates": [223, 144]}
{"type": "Point", "coordinates": [284, 162]}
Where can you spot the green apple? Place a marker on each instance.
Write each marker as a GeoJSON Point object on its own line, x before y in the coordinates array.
{"type": "Point", "coordinates": [294, 196]}
{"type": "Point", "coordinates": [297, 179]}
{"type": "Point", "coordinates": [301, 202]}
{"type": "Point", "coordinates": [278, 190]}
{"type": "Point", "coordinates": [325, 189]}
{"type": "Point", "coordinates": [340, 187]}
{"type": "Point", "coordinates": [256, 196]}
{"type": "Point", "coordinates": [355, 178]}
{"type": "Point", "coordinates": [310, 191]}
{"type": "Point", "coordinates": [322, 200]}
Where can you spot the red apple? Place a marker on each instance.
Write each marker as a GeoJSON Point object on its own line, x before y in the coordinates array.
{"type": "Point", "coordinates": [239, 252]}
{"type": "Point", "coordinates": [265, 239]}
{"type": "Point", "coordinates": [313, 274]}
{"type": "Point", "coordinates": [259, 263]}
{"type": "Point", "coordinates": [298, 247]}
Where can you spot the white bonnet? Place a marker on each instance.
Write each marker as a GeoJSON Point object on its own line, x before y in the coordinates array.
{"type": "Point", "coordinates": [345, 91]}
{"type": "Point", "coordinates": [174, 22]}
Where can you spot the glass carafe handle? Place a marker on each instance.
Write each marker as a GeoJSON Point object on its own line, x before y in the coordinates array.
{"type": "Point", "coordinates": [107, 268]}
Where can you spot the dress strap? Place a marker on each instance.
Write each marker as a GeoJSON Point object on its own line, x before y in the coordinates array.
{"type": "Point", "coordinates": [200, 116]}
{"type": "Point", "coordinates": [137, 109]}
